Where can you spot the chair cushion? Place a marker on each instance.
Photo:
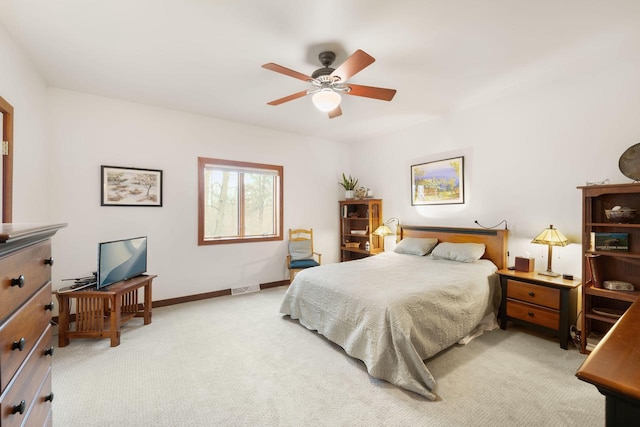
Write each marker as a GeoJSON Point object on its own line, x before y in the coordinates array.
{"type": "Point", "coordinates": [300, 249]}
{"type": "Point", "coordinates": [303, 263]}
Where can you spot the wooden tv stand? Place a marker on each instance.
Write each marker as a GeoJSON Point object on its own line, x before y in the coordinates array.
{"type": "Point", "coordinates": [101, 313]}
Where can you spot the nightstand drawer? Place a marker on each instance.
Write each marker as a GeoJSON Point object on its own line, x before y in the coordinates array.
{"type": "Point", "coordinates": [534, 294]}
{"type": "Point", "coordinates": [533, 314]}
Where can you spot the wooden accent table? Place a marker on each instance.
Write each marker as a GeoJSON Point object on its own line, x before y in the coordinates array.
{"type": "Point", "coordinates": [614, 368]}
{"type": "Point", "coordinates": [542, 301]}
{"type": "Point", "coordinates": [101, 313]}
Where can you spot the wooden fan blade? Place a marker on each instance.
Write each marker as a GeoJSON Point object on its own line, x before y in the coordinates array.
{"type": "Point", "coordinates": [336, 112]}
{"type": "Point", "coordinates": [353, 65]}
{"type": "Point", "coordinates": [286, 71]}
{"type": "Point", "coordinates": [288, 98]}
{"type": "Point", "coordinates": [372, 92]}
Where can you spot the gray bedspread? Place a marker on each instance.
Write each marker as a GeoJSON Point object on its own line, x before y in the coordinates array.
{"type": "Point", "coordinates": [392, 311]}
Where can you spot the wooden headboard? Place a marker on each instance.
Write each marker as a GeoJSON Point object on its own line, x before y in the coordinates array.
{"type": "Point", "coordinates": [494, 240]}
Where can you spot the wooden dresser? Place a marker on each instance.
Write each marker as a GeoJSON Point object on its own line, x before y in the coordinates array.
{"type": "Point", "coordinates": [25, 324]}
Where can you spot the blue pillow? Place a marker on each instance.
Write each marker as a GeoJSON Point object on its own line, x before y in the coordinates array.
{"type": "Point", "coordinates": [303, 263]}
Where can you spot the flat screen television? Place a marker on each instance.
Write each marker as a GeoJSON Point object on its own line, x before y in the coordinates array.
{"type": "Point", "coordinates": [120, 260]}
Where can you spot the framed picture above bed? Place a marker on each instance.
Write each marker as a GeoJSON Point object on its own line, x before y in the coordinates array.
{"type": "Point", "coordinates": [440, 182]}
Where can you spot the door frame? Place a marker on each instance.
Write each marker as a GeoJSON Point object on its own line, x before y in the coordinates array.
{"type": "Point", "coordinates": [7, 161]}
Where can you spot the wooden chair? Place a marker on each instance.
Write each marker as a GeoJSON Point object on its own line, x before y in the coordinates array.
{"type": "Point", "coordinates": [301, 254]}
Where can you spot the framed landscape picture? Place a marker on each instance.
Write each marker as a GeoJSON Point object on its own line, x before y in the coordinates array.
{"type": "Point", "coordinates": [131, 186]}
{"type": "Point", "coordinates": [438, 183]}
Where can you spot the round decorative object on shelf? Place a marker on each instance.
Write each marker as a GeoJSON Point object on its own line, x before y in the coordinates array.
{"type": "Point", "coordinates": [629, 163]}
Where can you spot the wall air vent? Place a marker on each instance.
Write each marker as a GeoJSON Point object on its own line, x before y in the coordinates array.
{"type": "Point", "coordinates": [245, 289]}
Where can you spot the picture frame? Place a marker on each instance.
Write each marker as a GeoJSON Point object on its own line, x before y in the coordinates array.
{"type": "Point", "coordinates": [440, 182]}
{"type": "Point", "coordinates": [124, 186]}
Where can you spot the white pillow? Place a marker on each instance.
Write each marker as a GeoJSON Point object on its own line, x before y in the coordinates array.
{"type": "Point", "coordinates": [415, 246]}
{"type": "Point", "coordinates": [463, 252]}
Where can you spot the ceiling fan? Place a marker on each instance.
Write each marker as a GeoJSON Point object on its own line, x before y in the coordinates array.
{"type": "Point", "coordinates": [328, 83]}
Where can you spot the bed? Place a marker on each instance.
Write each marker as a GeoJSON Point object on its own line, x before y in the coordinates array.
{"type": "Point", "coordinates": [394, 310]}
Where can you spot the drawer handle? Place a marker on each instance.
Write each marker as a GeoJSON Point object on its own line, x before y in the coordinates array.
{"type": "Point", "coordinates": [49, 306]}
{"type": "Point", "coordinates": [49, 397]}
{"type": "Point", "coordinates": [530, 314]}
{"type": "Point", "coordinates": [18, 345]}
{"type": "Point", "coordinates": [19, 407]}
{"type": "Point", "coordinates": [19, 281]}
{"type": "Point", "coordinates": [48, 261]}
{"type": "Point", "coordinates": [49, 351]}
{"type": "Point", "coordinates": [531, 293]}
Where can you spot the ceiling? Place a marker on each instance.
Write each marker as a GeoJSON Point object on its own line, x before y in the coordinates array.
{"type": "Point", "coordinates": [205, 56]}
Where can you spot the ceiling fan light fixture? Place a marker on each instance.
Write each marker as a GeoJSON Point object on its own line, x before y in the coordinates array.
{"type": "Point", "coordinates": [326, 100]}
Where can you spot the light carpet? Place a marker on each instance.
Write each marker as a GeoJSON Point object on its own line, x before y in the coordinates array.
{"type": "Point", "coordinates": [235, 361]}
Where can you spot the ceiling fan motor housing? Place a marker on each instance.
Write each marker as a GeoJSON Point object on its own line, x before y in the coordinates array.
{"type": "Point", "coordinates": [326, 59]}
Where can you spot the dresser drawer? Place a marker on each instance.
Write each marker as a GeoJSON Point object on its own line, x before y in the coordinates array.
{"type": "Point", "coordinates": [28, 263]}
{"type": "Point", "coordinates": [17, 402]}
{"type": "Point", "coordinates": [534, 294]}
{"type": "Point", "coordinates": [23, 328]}
{"type": "Point", "coordinates": [533, 314]}
{"type": "Point", "coordinates": [41, 409]}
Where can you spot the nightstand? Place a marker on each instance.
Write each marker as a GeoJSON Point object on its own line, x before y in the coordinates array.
{"type": "Point", "coordinates": [537, 301]}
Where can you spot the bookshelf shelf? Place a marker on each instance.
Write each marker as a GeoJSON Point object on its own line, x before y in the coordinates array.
{"type": "Point", "coordinates": [611, 225]}
{"type": "Point", "coordinates": [600, 318]}
{"type": "Point", "coordinates": [615, 254]}
{"type": "Point", "coordinates": [616, 295]}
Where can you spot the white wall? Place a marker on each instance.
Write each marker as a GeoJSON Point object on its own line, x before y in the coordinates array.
{"type": "Point", "coordinates": [525, 154]}
{"type": "Point", "coordinates": [25, 90]}
{"type": "Point", "coordinates": [87, 131]}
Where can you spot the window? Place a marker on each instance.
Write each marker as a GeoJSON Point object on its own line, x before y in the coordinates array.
{"type": "Point", "coordinates": [238, 202]}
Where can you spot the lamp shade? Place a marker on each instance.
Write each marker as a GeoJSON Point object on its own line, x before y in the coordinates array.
{"type": "Point", "coordinates": [383, 230]}
{"type": "Point", "coordinates": [552, 237]}
{"type": "Point", "coordinates": [326, 100]}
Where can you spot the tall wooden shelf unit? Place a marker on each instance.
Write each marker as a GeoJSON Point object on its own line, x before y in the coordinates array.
{"type": "Point", "coordinates": [612, 265]}
{"type": "Point", "coordinates": [360, 214]}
